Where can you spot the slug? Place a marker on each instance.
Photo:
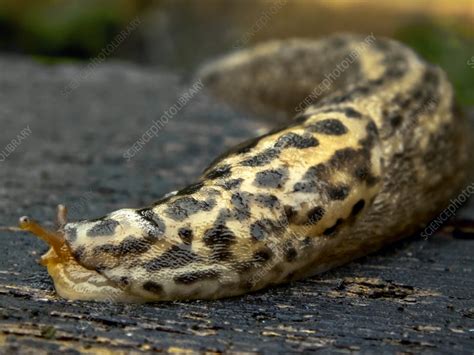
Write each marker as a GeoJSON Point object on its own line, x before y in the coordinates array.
{"type": "Point", "coordinates": [375, 149]}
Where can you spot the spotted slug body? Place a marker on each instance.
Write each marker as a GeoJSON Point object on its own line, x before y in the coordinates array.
{"type": "Point", "coordinates": [375, 155]}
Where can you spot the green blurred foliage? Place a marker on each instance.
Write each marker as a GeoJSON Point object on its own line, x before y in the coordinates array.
{"type": "Point", "coordinates": [452, 48]}
{"type": "Point", "coordinates": [62, 28]}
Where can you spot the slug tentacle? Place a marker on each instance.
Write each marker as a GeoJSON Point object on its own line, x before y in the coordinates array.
{"type": "Point", "coordinates": [375, 150]}
{"type": "Point", "coordinates": [60, 251]}
{"type": "Point", "coordinates": [61, 216]}
{"type": "Point", "coordinates": [54, 239]}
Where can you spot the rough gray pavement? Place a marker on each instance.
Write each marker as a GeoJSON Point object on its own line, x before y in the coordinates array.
{"type": "Point", "coordinates": [414, 296]}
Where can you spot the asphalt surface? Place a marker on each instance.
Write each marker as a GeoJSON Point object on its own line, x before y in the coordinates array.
{"type": "Point", "coordinates": [414, 296]}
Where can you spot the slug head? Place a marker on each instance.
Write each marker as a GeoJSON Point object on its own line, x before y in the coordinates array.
{"type": "Point", "coordinates": [72, 280]}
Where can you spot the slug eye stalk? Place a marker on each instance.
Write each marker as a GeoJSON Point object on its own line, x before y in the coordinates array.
{"type": "Point", "coordinates": [55, 239]}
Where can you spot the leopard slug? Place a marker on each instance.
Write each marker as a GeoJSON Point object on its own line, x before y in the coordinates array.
{"type": "Point", "coordinates": [375, 150]}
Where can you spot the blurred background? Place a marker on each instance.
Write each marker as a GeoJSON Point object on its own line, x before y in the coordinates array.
{"type": "Point", "coordinates": [181, 34]}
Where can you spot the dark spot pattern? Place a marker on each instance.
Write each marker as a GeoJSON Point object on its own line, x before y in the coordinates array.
{"type": "Point", "coordinates": [186, 235]}
{"type": "Point", "coordinates": [243, 267]}
{"type": "Point", "coordinates": [241, 148]}
{"type": "Point", "coordinates": [358, 206]}
{"type": "Point", "coordinates": [290, 253]}
{"type": "Point", "coordinates": [103, 228]}
{"type": "Point", "coordinates": [163, 200]}
{"type": "Point", "coordinates": [219, 172]}
{"type": "Point", "coordinates": [224, 215]}
{"type": "Point", "coordinates": [290, 213]}
{"type": "Point", "coordinates": [395, 120]}
{"type": "Point", "coordinates": [338, 192]}
{"type": "Point", "coordinates": [424, 96]}
{"type": "Point", "coordinates": [123, 282]}
{"type": "Point", "coordinates": [336, 43]}
{"type": "Point", "coordinates": [128, 246]}
{"type": "Point", "coordinates": [305, 186]}
{"type": "Point", "coordinates": [377, 82]}
{"type": "Point", "coordinates": [153, 287]}
{"type": "Point", "coordinates": [264, 228]}
{"type": "Point", "coordinates": [219, 239]}
{"type": "Point", "coordinates": [315, 214]}
{"type": "Point", "coordinates": [395, 63]}
{"type": "Point", "coordinates": [158, 226]}
{"type": "Point", "coordinates": [261, 159]}
{"type": "Point", "coordinates": [246, 146]}
{"type": "Point", "coordinates": [195, 276]}
{"type": "Point", "coordinates": [368, 142]}
{"type": "Point", "coordinates": [263, 255]}
{"type": "Point", "coordinates": [371, 129]}
{"type": "Point", "coordinates": [241, 202]}
{"type": "Point", "coordinates": [188, 190]}
{"type": "Point", "coordinates": [319, 171]}
{"type": "Point", "coordinates": [232, 184]}
{"type": "Point", "coordinates": [331, 230]}
{"type": "Point", "coordinates": [184, 207]}
{"type": "Point", "coordinates": [274, 178]}
{"type": "Point", "coordinates": [175, 257]}
{"type": "Point", "coordinates": [351, 113]}
{"type": "Point", "coordinates": [394, 73]}
{"type": "Point", "coordinates": [307, 242]}
{"type": "Point", "coordinates": [358, 91]}
{"type": "Point", "coordinates": [268, 201]}
{"type": "Point", "coordinates": [300, 119]}
{"type": "Point", "coordinates": [70, 234]}
{"type": "Point", "coordinates": [310, 181]}
{"type": "Point", "coordinates": [79, 252]}
{"type": "Point", "coordinates": [131, 245]}
{"type": "Point", "coordinates": [329, 126]}
{"type": "Point", "coordinates": [343, 157]}
{"type": "Point", "coordinates": [363, 173]}
{"type": "Point", "coordinates": [294, 140]}
{"type": "Point", "coordinates": [210, 191]}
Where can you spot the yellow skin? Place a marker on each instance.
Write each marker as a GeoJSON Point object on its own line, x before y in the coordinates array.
{"type": "Point", "coordinates": [376, 155]}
